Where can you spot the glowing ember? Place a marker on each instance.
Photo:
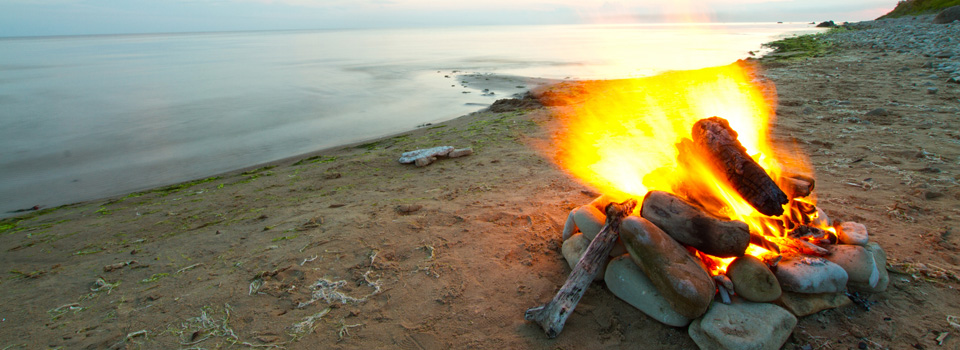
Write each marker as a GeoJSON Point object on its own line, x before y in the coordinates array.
{"type": "Point", "coordinates": [626, 137]}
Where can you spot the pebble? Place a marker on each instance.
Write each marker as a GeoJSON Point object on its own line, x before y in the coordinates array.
{"type": "Point", "coordinates": [753, 280]}
{"type": "Point", "coordinates": [802, 304]}
{"type": "Point", "coordinates": [742, 325]}
{"type": "Point", "coordinates": [880, 259]}
{"type": "Point", "coordinates": [574, 248]}
{"type": "Point", "coordinates": [932, 90]}
{"type": "Point", "coordinates": [625, 280]}
{"type": "Point", "coordinates": [678, 275]}
{"type": "Point", "coordinates": [811, 275]}
{"type": "Point", "coordinates": [856, 261]}
{"type": "Point", "coordinates": [852, 233]}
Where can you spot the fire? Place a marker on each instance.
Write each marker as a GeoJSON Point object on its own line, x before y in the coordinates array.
{"type": "Point", "coordinates": [625, 137]}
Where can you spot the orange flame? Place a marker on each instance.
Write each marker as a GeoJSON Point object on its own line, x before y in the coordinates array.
{"type": "Point", "coordinates": [622, 137]}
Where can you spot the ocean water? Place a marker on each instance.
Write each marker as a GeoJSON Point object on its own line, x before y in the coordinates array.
{"type": "Point", "coordinates": [85, 117]}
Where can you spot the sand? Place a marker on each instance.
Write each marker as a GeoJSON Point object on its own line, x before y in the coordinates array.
{"type": "Point", "coordinates": [451, 255]}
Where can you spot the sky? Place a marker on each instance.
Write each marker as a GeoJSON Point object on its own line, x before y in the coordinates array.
{"type": "Point", "coordinates": [84, 17]}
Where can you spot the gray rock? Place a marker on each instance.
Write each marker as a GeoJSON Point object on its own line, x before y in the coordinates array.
{"type": "Point", "coordinates": [880, 259]}
{"type": "Point", "coordinates": [948, 15]}
{"type": "Point", "coordinates": [625, 280]}
{"type": "Point", "coordinates": [856, 261]}
{"type": "Point", "coordinates": [589, 220]}
{"type": "Point", "coordinates": [808, 110]}
{"type": "Point", "coordinates": [573, 248]}
{"type": "Point", "coordinates": [878, 112]}
{"type": "Point", "coordinates": [821, 220]}
{"type": "Point", "coordinates": [678, 275]}
{"type": "Point", "coordinates": [742, 326]}
{"type": "Point", "coordinates": [801, 304]}
{"type": "Point", "coordinates": [811, 275]}
{"type": "Point", "coordinates": [852, 233]}
{"type": "Point", "coordinates": [932, 90]}
{"type": "Point", "coordinates": [753, 280]}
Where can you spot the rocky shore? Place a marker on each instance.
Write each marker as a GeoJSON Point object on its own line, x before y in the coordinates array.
{"type": "Point", "coordinates": [348, 248]}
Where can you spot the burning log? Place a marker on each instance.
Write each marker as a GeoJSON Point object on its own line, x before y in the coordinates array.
{"type": "Point", "coordinates": [715, 137]}
{"type": "Point", "coordinates": [553, 315]}
{"type": "Point", "coordinates": [691, 225]}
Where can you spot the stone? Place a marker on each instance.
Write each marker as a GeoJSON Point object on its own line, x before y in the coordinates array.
{"type": "Point", "coordinates": [802, 304]}
{"type": "Point", "coordinates": [822, 219]}
{"type": "Point", "coordinates": [678, 276]}
{"type": "Point", "coordinates": [753, 280]}
{"type": "Point", "coordinates": [948, 15]}
{"type": "Point", "coordinates": [826, 24]}
{"type": "Point", "coordinates": [878, 112]}
{"type": "Point", "coordinates": [856, 261]}
{"type": "Point", "coordinates": [742, 325]}
{"type": "Point", "coordinates": [808, 110]}
{"type": "Point", "coordinates": [573, 248]}
{"type": "Point", "coordinates": [932, 90]}
{"type": "Point", "coordinates": [425, 153]}
{"type": "Point", "coordinates": [852, 233]}
{"type": "Point", "coordinates": [625, 280]}
{"type": "Point", "coordinates": [811, 275]}
{"type": "Point", "coordinates": [589, 220]}
{"type": "Point", "coordinates": [880, 259]}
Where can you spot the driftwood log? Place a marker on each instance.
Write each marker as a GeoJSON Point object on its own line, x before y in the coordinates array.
{"type": "Point", "coordinates": [714, 137]}
{"type": "Point", "coordinates": [553, 315]}
{"type": "Point", "coordinates": [691, 225]}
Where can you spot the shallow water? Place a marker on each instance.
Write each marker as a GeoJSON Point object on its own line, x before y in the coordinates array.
{"type": "Point", "coordinates": [92, 116]}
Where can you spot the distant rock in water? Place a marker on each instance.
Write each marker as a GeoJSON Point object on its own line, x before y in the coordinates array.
{"type": "Point", "coordinates": [826, 24]}
{"type": "Point", "coordinates": [948, 15]}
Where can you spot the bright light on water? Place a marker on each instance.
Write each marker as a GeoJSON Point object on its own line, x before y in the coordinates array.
{"type": "Point", "coordinates": [88, 117]}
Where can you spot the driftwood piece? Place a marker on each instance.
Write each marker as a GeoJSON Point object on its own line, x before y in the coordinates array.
{"type": "Point", "coordinates": [553, 315]}
{"type": "Point", "coordinates": [691, 225]}
{"type": "Point", "coordinates": [797, 186]}
{"type": "Point", "coordinates": [715, 137]}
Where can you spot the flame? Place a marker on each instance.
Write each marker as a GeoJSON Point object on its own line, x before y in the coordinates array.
{"type": "Point", "coordinates": [622, 138]}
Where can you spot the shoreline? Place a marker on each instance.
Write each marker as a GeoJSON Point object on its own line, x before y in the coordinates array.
{"type": "Point", "coordinates": [450, 255]}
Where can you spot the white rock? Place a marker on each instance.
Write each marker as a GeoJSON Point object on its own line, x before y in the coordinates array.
{"type": "Point", "coordinates": [742, 325]}
{"type": "Point", "coordinates": [880, 259]}
{"type": "Point", "coordinates": [625, 280]}
{"type": "Point", "coordinates": [589, 220]}
{"type": "Point", "coordinates": [852, 233]}
{"type": "Point", "coordinates": [811, 275]}
{"type": "Point", "coordinates": [857, 262]}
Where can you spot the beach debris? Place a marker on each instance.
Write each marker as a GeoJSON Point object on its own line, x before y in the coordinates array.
{"type": "Point", "coordinates": [308, 325]}
{"type": "Point", "coordinates": [426, 156]}
{"type": "Point", "coordinates": [102, 285]}
{"type": "Point", "coordinates": [118, 265]}
{"type": "Point", "coordinates": [407, 209]}
{"type": "Point", "coordinates": [330, 292]}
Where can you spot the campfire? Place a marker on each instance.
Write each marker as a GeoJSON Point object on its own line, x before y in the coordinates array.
{"type": "Point", "coordinates": [699, 203]}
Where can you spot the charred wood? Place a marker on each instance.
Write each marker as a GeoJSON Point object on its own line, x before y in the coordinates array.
{"type": "Point", "coordinates": [691, 225]}
{"type": "Point", "coordinates": [715, 137]}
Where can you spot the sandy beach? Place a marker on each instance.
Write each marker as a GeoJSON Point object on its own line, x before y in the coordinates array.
{"type": "Point", "coordinates": [451, 255]}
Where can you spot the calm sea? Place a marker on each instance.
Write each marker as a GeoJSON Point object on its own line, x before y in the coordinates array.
{"type": "Point", "coordinates": [85, 117]}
